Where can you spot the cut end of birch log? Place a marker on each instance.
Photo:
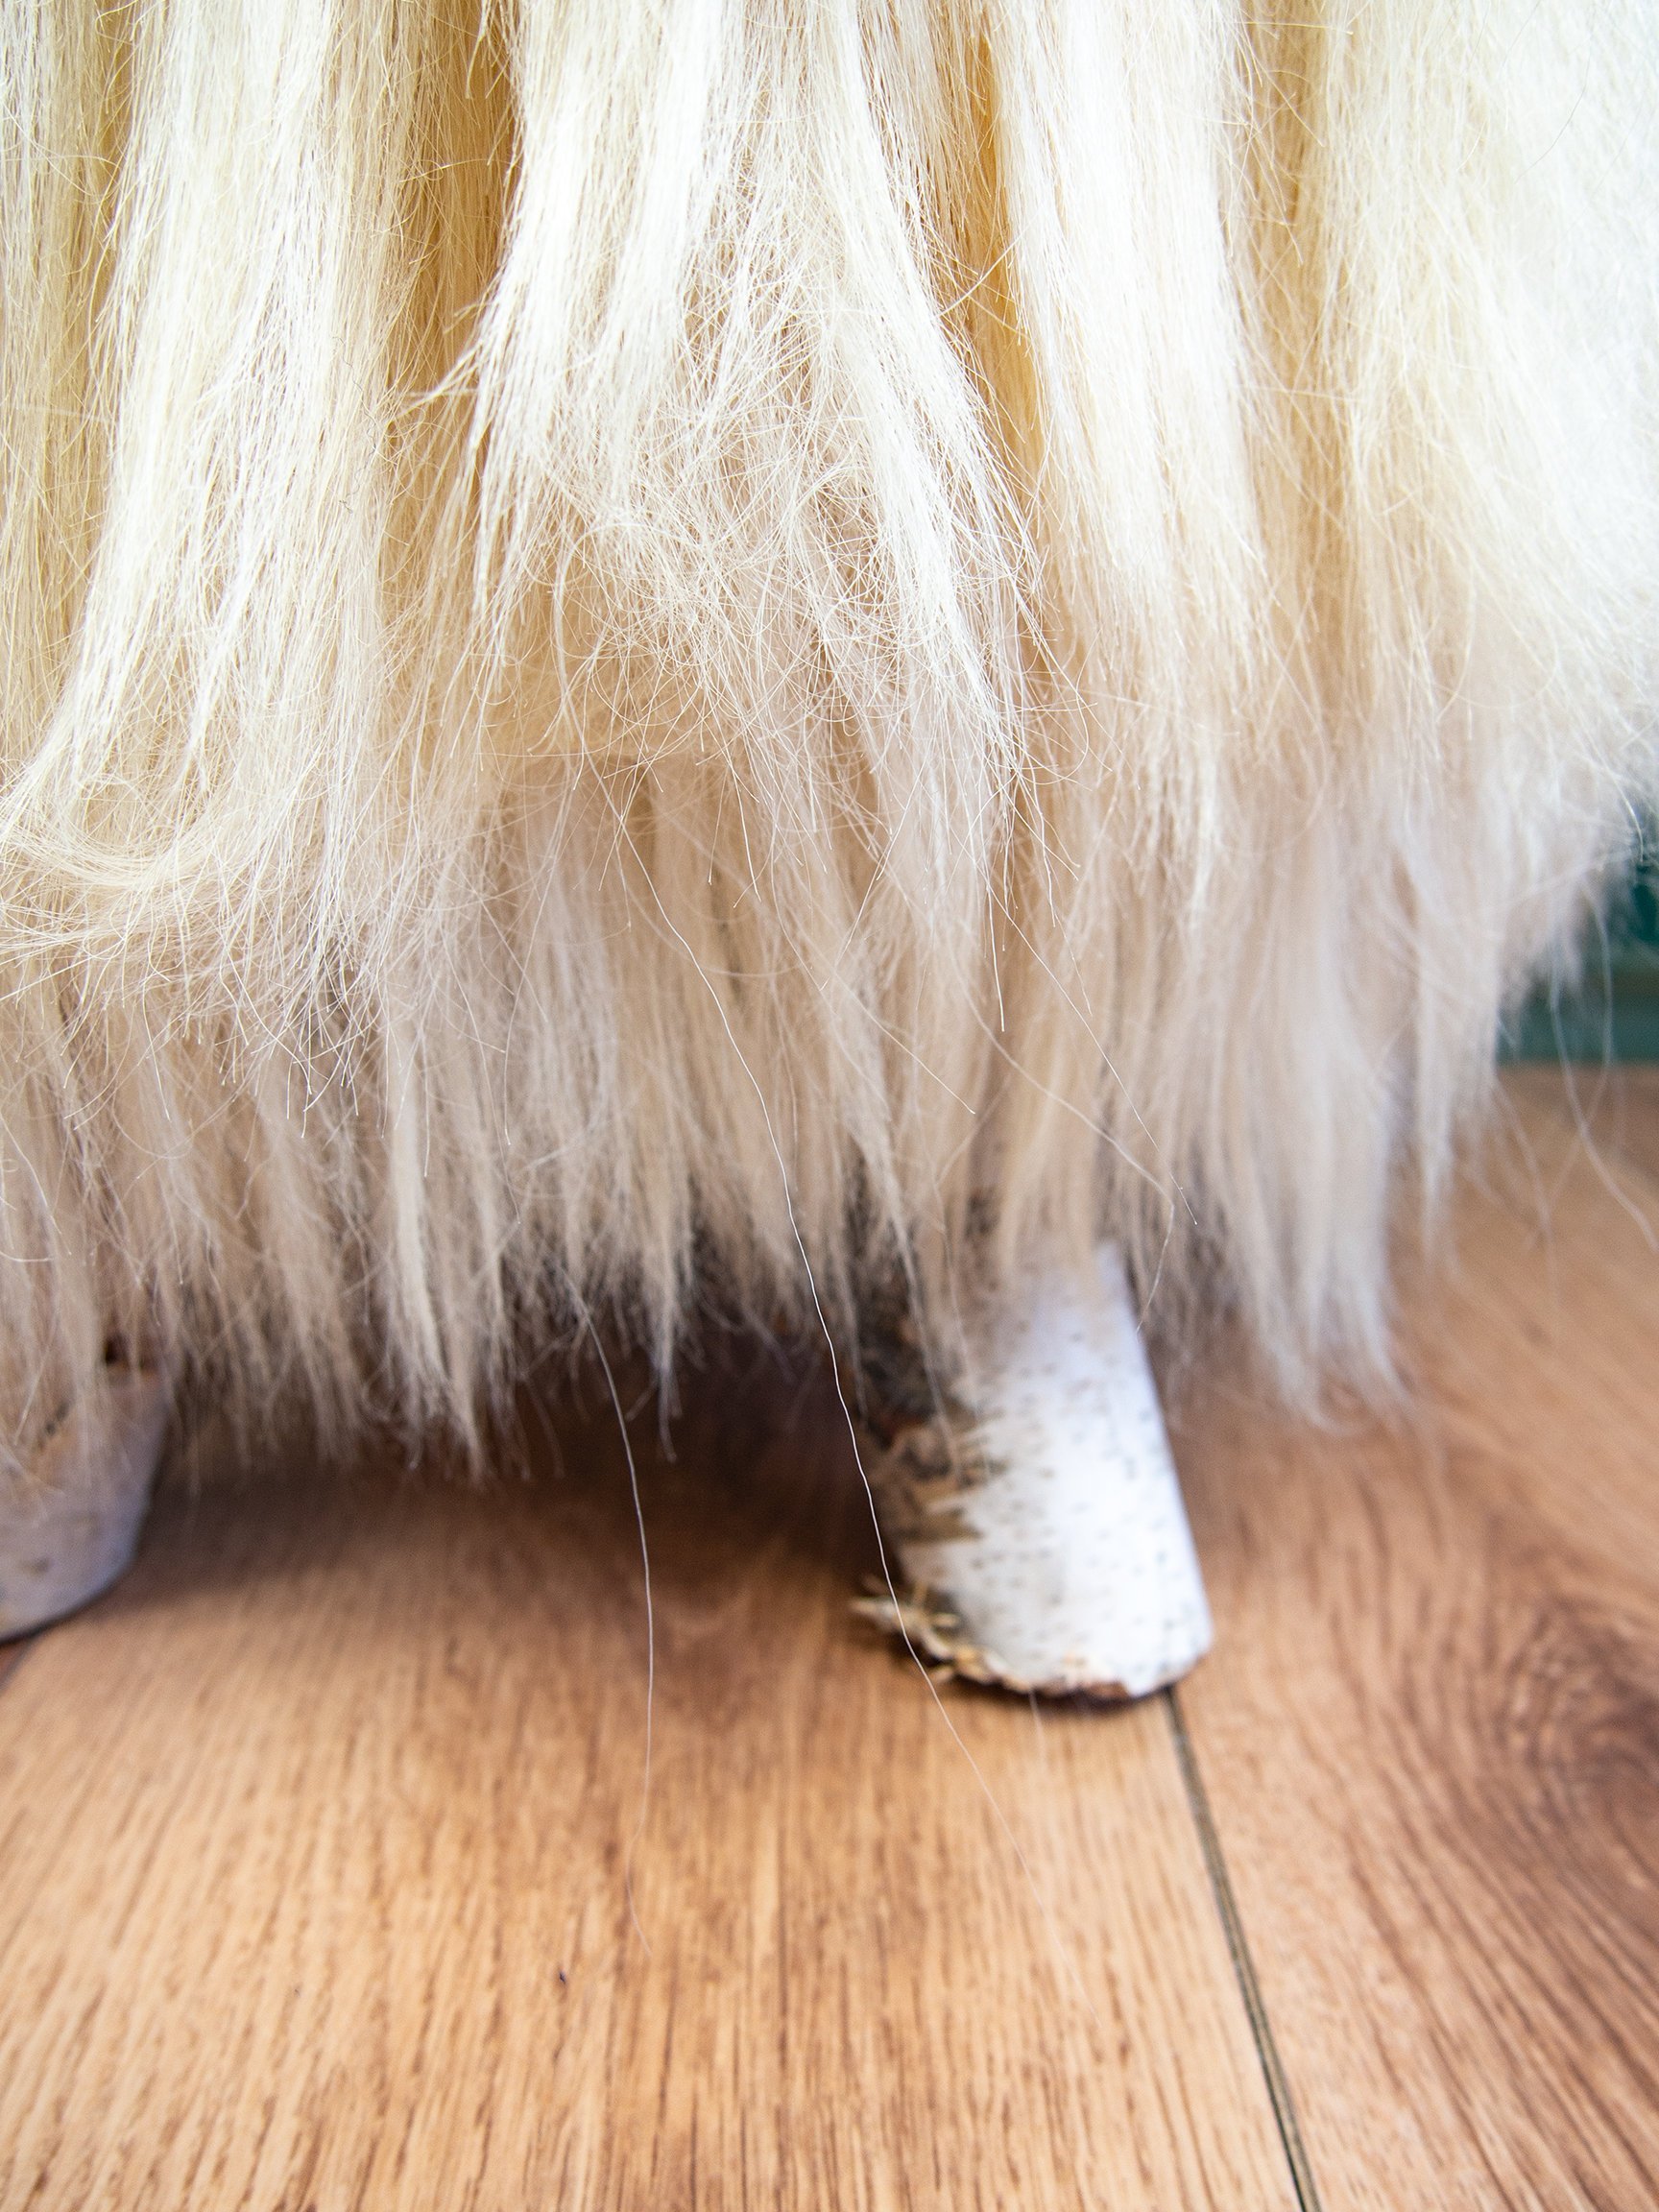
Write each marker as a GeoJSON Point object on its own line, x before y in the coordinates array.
{"type": "Point", "coordinates": [1035, 1512]}
{"type": "Point", "coordinates": [69, 1524]}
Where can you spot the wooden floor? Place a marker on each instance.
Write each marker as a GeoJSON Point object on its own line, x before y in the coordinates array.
{"type": "Point", "coordinates": [338, 1866]}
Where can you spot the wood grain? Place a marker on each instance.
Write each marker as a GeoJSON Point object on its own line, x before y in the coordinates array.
{"type": "Point", "coordinates": [327, 1877]}
{"type": "Point", "coordinates": [1614, 1109]}
{"type": "Point", "coordinates": [1430, 1737]}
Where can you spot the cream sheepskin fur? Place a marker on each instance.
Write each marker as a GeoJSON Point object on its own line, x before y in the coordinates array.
{"type": "Point", "coordinates": [670, 648]}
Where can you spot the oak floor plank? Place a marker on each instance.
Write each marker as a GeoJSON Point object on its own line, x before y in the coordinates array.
{"type": "Point", "coordinates": [1614, 1109]}
{"type": "Point", "coordinates": [327, 1877]}
{"type": "Point", "coordinates": [1430, 1736]}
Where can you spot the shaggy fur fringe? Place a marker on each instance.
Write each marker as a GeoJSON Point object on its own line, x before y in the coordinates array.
{"type": "Point", "coordinates": [660, 641]}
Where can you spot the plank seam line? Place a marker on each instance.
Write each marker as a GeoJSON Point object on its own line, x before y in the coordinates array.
{"type": "Point", "coordinates": [1244, 1966]}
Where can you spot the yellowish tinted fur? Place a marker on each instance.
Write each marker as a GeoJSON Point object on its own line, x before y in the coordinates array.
{"type": "Point", "coordinates": [664, 640]}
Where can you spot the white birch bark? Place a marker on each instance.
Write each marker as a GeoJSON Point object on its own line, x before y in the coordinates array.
{"type": "Point", "coordinates": [1036, 1516]}
{"type": "Point", "coordinates": [69, 1526]}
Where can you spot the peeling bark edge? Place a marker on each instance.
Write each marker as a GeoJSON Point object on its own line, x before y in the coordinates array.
{"type": "Point", "coordinates": [1035, 1510]}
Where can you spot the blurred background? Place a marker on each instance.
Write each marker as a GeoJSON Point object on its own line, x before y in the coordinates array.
{"type": "Point", "coordinates": [1610, 1009]}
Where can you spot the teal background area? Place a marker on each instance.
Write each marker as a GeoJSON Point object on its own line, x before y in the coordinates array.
{"type": "Point", "coordinates": [1612, 1011]}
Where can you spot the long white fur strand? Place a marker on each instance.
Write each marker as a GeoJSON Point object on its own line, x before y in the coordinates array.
{"type": "Point", "coordinates": [656, 636]}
